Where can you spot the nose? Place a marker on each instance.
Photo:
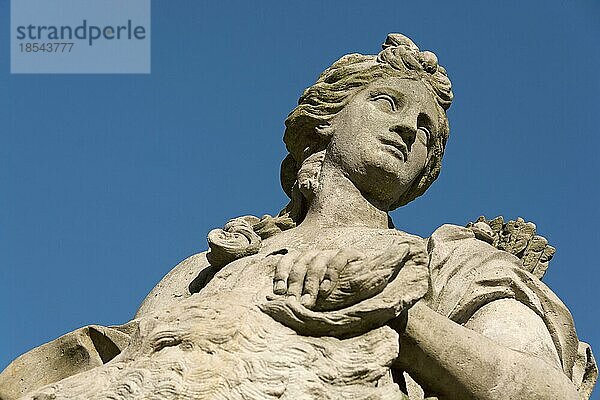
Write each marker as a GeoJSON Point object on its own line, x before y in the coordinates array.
{"type": "Point", "coordinates": [407, 131]}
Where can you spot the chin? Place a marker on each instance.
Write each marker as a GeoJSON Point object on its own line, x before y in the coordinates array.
{"type": "Point", "coordinates": [386, 185]}
{"type": "Point", "coordinates": [391, 174]}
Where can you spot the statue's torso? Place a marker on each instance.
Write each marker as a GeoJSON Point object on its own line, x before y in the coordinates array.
{"type": "Point", "coordinates": [222, 335]}
{"type": "Point", "coordinates": [218, 344]}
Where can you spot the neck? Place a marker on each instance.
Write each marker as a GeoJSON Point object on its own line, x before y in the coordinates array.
{"type": "Point", "coordinates": [338, 203]}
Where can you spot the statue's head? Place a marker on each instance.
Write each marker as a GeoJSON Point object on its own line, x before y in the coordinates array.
{"type": "Point", "coordinates": [311, 126]}
{"type": "Point", "coordinates": [335, 122]}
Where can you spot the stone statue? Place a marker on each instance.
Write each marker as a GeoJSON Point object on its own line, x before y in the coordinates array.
{"type": "Point", "coordinates": [327, 300]}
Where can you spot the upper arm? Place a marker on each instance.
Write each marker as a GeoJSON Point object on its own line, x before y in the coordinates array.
{"type": "Point", "coordinates": [514, 325]}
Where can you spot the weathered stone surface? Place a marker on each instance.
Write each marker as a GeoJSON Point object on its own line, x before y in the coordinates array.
{"type": "Point", "coordinates": [327, 300]}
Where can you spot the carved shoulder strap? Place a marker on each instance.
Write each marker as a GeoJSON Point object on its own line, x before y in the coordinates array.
{"type": "Point", "coordinates": [518, 238]}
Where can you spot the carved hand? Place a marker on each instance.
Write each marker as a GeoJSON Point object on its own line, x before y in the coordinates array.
{"type": "Point", "coordinates": [347, 292]}
{"type": "Point", "coordinates": [333, 279]}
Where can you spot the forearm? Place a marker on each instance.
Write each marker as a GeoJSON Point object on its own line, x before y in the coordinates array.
{"type": "Point", "coordinates": [458, 363]}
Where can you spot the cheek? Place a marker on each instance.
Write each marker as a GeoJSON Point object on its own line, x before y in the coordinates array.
{"type": "Point", "coordinates": [421, 156]}
{"type": "Point", "coordinates": [417, 160]}
{"type": "Point", "coordinates": [352, 146]}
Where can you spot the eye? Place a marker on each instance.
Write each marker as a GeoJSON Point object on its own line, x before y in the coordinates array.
{"type": "Point", "coordinates": [423, 124]}
{"type": "Point", "coordinates": [386, 100]}
{"type": "Point", "coordinates": [424, 135]}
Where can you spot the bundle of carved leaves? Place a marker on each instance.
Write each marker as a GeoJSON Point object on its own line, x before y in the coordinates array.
{"type": "Point", "coordinates": [518, 238]}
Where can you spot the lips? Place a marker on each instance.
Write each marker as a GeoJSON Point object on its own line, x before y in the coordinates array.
{"type": "Point", "coordinates": [397, 145]}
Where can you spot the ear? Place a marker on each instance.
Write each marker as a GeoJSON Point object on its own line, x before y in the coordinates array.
{"type": "Point", "coordinates": [308, 175]}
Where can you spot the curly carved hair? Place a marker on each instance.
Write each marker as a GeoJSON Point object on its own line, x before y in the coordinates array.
{"type": "Point", "coordinates": [306, 142]}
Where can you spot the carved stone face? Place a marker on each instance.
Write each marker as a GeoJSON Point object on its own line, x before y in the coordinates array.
{"type": "Point", "coordinates": [380, 138]}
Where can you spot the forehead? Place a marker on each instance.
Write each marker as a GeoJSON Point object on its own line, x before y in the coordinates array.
{"type": "Point", "coordinates": [410, 90]}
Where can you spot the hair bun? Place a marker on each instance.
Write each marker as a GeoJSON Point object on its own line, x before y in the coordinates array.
{"type": "Point", "coordinates": [399, 40]}
{"type": "Point", "coordinates": [429, 61]}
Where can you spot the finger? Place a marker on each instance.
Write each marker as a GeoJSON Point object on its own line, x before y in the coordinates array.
{"type": "Point", "coordinates": [282, 272]}
{"type": "Point", "coordinates": [271, 263]}
{"type": "Point", "coordinates": [334, 267]}
{"type": "Point", "coordinates": [314, 275]}
{"type": "Point", "coordinates": [297, 274]}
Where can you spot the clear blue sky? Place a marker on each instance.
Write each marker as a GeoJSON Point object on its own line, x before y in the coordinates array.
{"type": "Point", "coordinates": [108, 181]}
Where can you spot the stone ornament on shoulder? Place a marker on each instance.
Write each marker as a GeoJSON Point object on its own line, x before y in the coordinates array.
{"type": "Point", "coordinates": [518, 238]}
